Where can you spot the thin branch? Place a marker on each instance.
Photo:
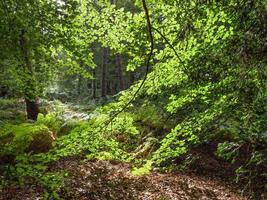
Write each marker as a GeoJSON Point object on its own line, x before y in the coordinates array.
{"type": "Point", "coordinates": [149, 26]}
{"type": "Point", "coordinates": [171, 46]}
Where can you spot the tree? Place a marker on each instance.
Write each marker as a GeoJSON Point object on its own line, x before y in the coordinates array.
{"type": "Point", "coordinates": [210, 74]}
{"type": "Point", "coordinates": [104, 73]}
{"type": "Point", "coordinates": [26, 31]}
{"type": "Point", "coordinates": [33, 34]}
{"type": "Point", "coordinates": [119, 65]}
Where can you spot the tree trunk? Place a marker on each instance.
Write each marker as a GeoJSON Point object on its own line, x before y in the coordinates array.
{"type": "Point", "coordinates": [132, 78]}
{"type": "Point", "coordinates": [109, 88]}
{"type": "Point", "coordinates": [94, 87]}
{"type": "Point", "coordinates": [119, 64]}
{"type": "Point", "coordinates": [104, 73]}
{"type": "Point", "coordinates": [24, 44]}
{"type": "Point", "coordinates": [79, 85]}
{"type": "Point", "coordinates": [32, 108]}
{"type": "Point", "coordinates": [120, 72]}
{"type": "Point", "coordinates": [3, 92]}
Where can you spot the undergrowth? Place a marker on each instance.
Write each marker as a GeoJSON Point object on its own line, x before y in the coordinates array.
{"type": "Point", "coordinates": [131, 137]}
{"type": "Point", "coordinates": [92, 138]}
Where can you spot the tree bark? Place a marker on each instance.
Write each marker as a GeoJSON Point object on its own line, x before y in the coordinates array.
{"type": "Point", "coordinates": [3, 92]}
{"type": "Point", "coordinates": [120, 72]}
{"type": "Point", "coordinates": [109, 88]}
{"type": "Point", "coordinates": [79, 85]}
{"type": "Point", "coordinates": [32, 106]}
{"type": "Point", "coordinates": [104, 73]}
{"type": "Point", "coordinates": [94, 86]}
{"type": "Point", "coordinates": [119, 64]}
{"type": "Point", "coordinates": [132, 78]}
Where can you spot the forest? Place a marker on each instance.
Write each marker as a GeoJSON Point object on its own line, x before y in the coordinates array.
{"type": "Point", "coordinates": [133, 99]}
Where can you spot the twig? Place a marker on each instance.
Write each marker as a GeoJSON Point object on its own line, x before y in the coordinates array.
{"type": "Point", "coordinates": [171, 46]}
{"type": "Point", "coordinates": [149, 26]}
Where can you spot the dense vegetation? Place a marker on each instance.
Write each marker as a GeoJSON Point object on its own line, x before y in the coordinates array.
{"type": "Point", "coordinates": [143, 82]}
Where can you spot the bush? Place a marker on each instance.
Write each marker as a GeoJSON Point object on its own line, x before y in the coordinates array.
{"type": "Point", "coordinates": [12, 110]}
{"type": "Point", "coordinates": [23, 138]}
{"type": "Point", "coordinates": [50, 120]}
{"type": "Point", "coordinates": [150, 115]}
{"type": "Point", "coordinates": [67, 127]}
{"type": "Point", "coordinates": [10, 103]}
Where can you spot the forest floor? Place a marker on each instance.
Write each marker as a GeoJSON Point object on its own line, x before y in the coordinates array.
{"type": "Point", "coordinates": [106, 180]}
{"type": "Point", "coordinates": [211, 179]}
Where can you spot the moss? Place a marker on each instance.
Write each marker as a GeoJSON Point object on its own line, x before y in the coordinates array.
{"type": "Point", "coordinates": [41, 142]}
{"type": "Point", "coordinates": [23, 138]}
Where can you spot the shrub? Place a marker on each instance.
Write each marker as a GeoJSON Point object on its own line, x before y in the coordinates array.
{"type": "Point", "coordinates": [10, 103]}
{"type": "Point", "coordinates": [68, 126]}
{"type": "Point", "coordinates": [50, 120]}
{"type": "Point", "coordinates": [12, 110]}
{"type": "Point", "coordinates": [18, 139]}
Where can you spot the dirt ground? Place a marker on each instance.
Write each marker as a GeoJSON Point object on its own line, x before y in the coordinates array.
{"type": "Point", "coordinates": [104, 180]}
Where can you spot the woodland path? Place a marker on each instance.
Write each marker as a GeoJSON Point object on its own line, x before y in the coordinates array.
{"type": "Point", "coordinates": [104, 180]}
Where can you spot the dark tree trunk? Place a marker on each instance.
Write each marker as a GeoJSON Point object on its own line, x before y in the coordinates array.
{"type": "Point", "coordinates": [94, 86]}
{"type": "Point", "coordinates": [32, 108]}
{"type": "Point", "coordinates": [119, 64]}
{"type": "Point", "coordinates": [120, 72]}
{"type": "Point", "coordinates": [104, 73]}
{"type": "Point", "coordinates": [112, 89]}
{"type": "Point", "coordinates": [79, 85]}
{"type": "Point", "coordinates": [3, 92]}
{"type": "Point", "coordinates": [109, 88]}
{"type": "Point", "coordinates": [132, 78]}
{"type": "Point", "coordinates": [93, 82]}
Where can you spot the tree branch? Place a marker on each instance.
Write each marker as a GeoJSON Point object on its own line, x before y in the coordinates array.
{"type": "Point", "coordinates": [171, 46]}
{"type": "Point", "coordinates": [149, 26]}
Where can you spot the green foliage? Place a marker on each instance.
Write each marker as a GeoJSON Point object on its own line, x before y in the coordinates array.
{"type": "Point", "coordinates": [67, 127]}
{"type": "Point", "coordinates": [89, 137]}
{"type": "Point", "coordinates": [207, 76]}
{"type": "Point", "coordinates": [150, 115]}
{"type": "Point", "coordinates": [12, 111]}
{"type": "Point", "coordinates": [50, 120]}
{"type": "Point", "coordinates": [216, 79]}
{"type": "Point", "coordinates": [26, 173]}
{"type": "Point", "coordinates": [16, 139]}
{"type": "Point", "coordinates": [35, 45]}
{"type": "Point", "coordinates": [124, 124]}
{"type": "Point", "coordinates": [12, 116]}
{"type": "Point", "coordinates": [93, 138]}
{"type": "Point", "coordinates": [228, 150]}
{"type": "Point", "coordinates": [144, 170]}
{"type": "Point", "coordinates": [52, 182]}
{"type": "Point", "coordinates": [9, 103]}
